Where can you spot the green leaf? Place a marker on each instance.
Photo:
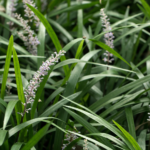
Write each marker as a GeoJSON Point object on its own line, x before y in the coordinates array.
{"type": "Point", "coordinates": [53, 3]}
{"type": "Point", "coordinates": [34, 140]}
{"type": "Point", "coordinates": [75, 74]}
{"type": "Point", "coordinates": [17, 146]}
{"type": "Point", "coordinates": [136, 45]}
{"type": "Point", "coordinates": [51, 97]}
{"type": "Point", "coordinates": [79, 50]}
{"type": "Point", "coordinates": [147, 8]}
{"type": "Point", "coordinates": [125, 20]}
{"type": "Point", "coordinates": [10, 18]}
{"type": "Point", "coordinates": [19, 107]}
{"type": "Point", "coordinates": [143, 61]}
{"type": "Point", "coordinates": [111, 138]}
{"type": "Point", "coordinates": [140, 75]}
{"type": "Point", "coordinates": [120, 103]}
{"type": "Point", "coordinates": [78, 53]}
{"type": "Point", "coordinates": [142, 139]}
{"type": "Point", "coordinates": [143, 10]}
{"type": "Point", "coordinates": [33, 148]}
{"type": "Point", "coordinates": [71, 44]}
{"type": "Point", "coordinates": [19, 127]}
{"type": "Point", "coordinates": [58, 105]}
{"type": "Point", "coordinates": [106, 47]}
{"type": "Point", "coordinates": [132, 31]}
{"type": "Point", "coordinates": [130, 120]}
{"type": "Point", "coordinates": [3, 136]}
{"type": "Point", "coordinates": [24, 56]}
{"type": "Point", "coordinates": [7, 65]}
{"type": "Point", "coordinates": [61, 29]}
{"type": "Point", "coordinates": [80, 21]}
{"type": "Point", "coordinates": [72, 8]}
{"type": "Point", "coordinates": [18, 77]}
{"type": "Point", "coordinates": [129, 137]}
{"type": "Point", "coordinates": [8, 112]}
{"type": "Point", "coordinates": [3, 102]}
{"type": "Point", "coordinates": [71, 61]}
{"type": "Point", "coordinates": [16, 46]}
{"type": "Point", "coordinates": [41, 47]}
{"type": "Point", "coordinates": [109, 74]}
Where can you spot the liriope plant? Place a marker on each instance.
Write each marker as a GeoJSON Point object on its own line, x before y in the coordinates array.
{"type": "Point", "coordinates": [110, 115]}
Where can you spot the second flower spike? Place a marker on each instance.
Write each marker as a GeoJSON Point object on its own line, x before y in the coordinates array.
{"type": "Point", "coordinates": [108, 37]}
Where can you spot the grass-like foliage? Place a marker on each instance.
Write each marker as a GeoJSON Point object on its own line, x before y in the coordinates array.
{"type": "Point", "coordinates": [75, 75]}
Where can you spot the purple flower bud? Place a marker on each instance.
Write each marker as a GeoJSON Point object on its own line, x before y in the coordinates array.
{"type": "Point", "coordinates": [108, 37]}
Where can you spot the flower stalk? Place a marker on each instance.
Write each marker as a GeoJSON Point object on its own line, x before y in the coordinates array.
{"type": "Point", "coordinates": [13, 4]}
{"type": "Point", "coordinates": [28, 36]}
{"type": "Point", "coordinates": [30, 92]}
{"type": "Point", "coordinates": [108, 37]}
{"type": "Point", "coordinates": [30, 39]}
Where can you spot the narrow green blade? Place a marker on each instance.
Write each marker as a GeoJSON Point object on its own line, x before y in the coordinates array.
{"type": "Point", "coordinates": [128, 136]}
{"type": "Point", "coordinates": [3, 136]}
{"type": "Point", "coordinates": [130, 120]}
{"type": "Point", "coordinates": [36, 137]}
{"type": "Point", "coordinates": [8, 112]}
{"type": "Point", "coordinates": [18, 107]}
{"type": "Point", "coordinates": [7, 65]}
{"type": "Point", "coordinates": [17, 146]}
{"type": "Point", "coordinates": [106, 47]}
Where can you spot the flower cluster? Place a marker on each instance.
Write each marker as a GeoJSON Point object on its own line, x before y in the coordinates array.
{"type": "Point", "coordinates": [85, 145]}
{"type": "Point", "coordinates": [30, 39]}
{"type": "Point", "coordinates": [37, 79]}
{"type": "Point", "coordinates": [28, 36]}
{"type": "Point", "coordinates": [28, 13]}
{"type": "Point", "coordinates": [69, 137]}
{"type": "Point", "coordinates": [12, 6]}
{"type": "Point", "coordinates": [108, 37]}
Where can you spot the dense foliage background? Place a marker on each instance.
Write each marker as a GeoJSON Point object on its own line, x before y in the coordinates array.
{"type": "Point", "coordinates": [81, 102]}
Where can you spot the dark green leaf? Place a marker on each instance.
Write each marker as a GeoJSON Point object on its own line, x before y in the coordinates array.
{"type": "Point", "coordinates": [7, 64]}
